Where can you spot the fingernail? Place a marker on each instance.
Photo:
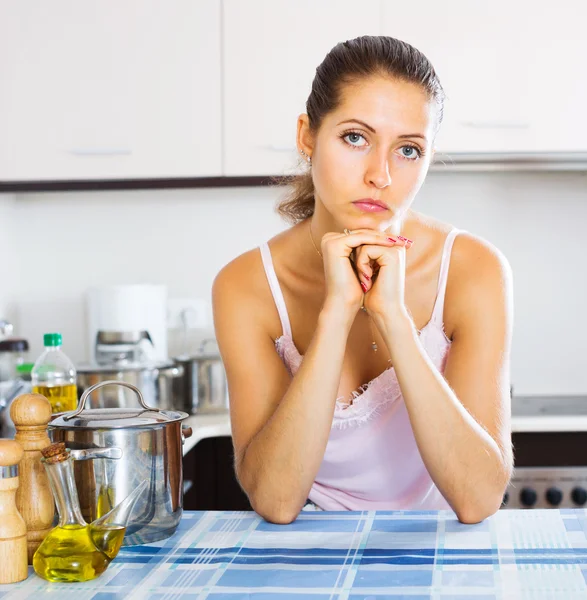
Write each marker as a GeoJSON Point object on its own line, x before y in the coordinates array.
{"type": "Point", "coordinates": [365, 276]}
{"type": "Point", "coordinates": [392, 239]}
{"type": "Point", "coordinates": [406, 240]}
{"type": "Point", "coordinates": [364, 287]}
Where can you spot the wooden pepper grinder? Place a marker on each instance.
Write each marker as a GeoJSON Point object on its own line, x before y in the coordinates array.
{"type": "Point", "coordinates": [30, 414]}
{"type": "Point", "coordinates": [13, 559]}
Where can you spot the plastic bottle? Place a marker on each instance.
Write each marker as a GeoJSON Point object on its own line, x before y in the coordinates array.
{"type": "Point", "coordinates": [54, 375]}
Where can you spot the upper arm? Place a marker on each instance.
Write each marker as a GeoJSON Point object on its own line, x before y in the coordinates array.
{"type": "Point", "coordinates": [478, 364]}
{"type": "Point", "coordinates": [257, 377]}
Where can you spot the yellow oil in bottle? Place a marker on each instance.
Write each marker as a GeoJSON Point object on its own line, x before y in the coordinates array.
{"type": "Point", "coordinates": [61, 397]}
{"type": "Point", "coordinates": [77, 552]}
{"type": "Point", "coordinates": [105, 501]}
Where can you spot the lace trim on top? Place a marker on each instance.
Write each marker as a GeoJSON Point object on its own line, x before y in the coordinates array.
{"type": "Point", "coordinates": [375, 396]}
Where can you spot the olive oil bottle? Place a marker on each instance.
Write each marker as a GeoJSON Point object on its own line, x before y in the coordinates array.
{"type": "Point", "coordinates": [54, 375]}
{"type": "Point", "coordinates": [76, 550]}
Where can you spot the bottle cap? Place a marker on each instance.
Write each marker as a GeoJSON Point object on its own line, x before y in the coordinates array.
{"type": "Point", "coordinates": [52, 339]}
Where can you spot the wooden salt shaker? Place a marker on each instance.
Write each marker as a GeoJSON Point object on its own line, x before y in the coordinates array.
{"type": "Point", "coordinates": [30, 414]}
{"type": "Point", "coordinates": [13, 544]}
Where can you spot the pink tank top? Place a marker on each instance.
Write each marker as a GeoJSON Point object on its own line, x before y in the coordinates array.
{"type": "Point", "coordinates": [372, 461]}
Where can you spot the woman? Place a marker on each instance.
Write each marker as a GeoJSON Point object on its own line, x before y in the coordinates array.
{"type": "Point", "coordinates": [364, 373]}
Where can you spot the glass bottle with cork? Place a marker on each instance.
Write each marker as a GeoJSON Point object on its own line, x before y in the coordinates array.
{"type": "Point", "coordinates": [54, 375]}
{"type": "Point", "coordinates": [76, 550]}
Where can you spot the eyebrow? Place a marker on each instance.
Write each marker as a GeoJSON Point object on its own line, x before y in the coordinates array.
{"type": "Point", "coordinates": [366, 126]}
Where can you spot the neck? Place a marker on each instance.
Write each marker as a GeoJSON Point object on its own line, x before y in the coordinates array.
{"type": "Point", "coordinates": [63, 487]}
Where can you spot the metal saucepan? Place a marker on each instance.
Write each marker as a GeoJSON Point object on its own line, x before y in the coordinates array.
{"type": "Point", "coordinates": [127, 446]}
{"type": "Point", "coordinates": [160, 383]}
{"type": "Point", "coordinates": [204, 381]}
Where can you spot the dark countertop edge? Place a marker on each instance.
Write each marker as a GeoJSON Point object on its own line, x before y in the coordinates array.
{"type": "Point", "coordinates": [140, 184]}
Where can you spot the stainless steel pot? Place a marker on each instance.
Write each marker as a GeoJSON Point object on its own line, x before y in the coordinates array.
{"type": "Point", "coordinates": [204, 381]}
{"type": "Point", "coordinates": [160, 383]}
{"type": "Point", "coordinates": [127, 446]}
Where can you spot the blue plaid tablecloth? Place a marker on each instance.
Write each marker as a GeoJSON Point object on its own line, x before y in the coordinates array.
{"type": "Point", "coordinates": [396, 555]}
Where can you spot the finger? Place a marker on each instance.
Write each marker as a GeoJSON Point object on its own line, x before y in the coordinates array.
{"type": "Point", "coordinates": [406, 241]}
{"type": "Point", "coordinates": [365, 269]}
{"type": "Point", "coordinates": [343, 244]}
{"type": "Point", "coordinates": [369, 257]}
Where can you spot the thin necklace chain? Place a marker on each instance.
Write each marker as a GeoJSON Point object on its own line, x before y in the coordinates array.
{"type": "Point", "coordinates": [374, 346]}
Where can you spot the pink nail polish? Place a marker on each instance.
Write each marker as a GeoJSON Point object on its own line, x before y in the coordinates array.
{"type": "Point", "coordinates": [365, 276]}
{"type": "Point", "coordinates": [404, 239]}
{"type": "Point", "coordinates": [364, 287]}
{"type": "Point", "coordinates": [392, 239]}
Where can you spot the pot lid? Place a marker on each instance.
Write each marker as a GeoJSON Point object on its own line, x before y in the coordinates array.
{"type": "Point", "coordinates": [117, 418]}
{"type": "Point", "coordinates": [14, 345]}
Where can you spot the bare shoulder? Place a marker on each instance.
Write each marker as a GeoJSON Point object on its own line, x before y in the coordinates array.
{"type": "Point", "coordinates": [240, 275]}
{"type": "Point", "coordinates": [480, 286]}
{"type": "Point", "coordinates": [476, 261]}
{"type": "Point", "coordinates": [241, 287]}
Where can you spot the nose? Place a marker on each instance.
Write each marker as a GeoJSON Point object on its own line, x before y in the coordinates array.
{"type": "Point", "coordinates": [377, 173]}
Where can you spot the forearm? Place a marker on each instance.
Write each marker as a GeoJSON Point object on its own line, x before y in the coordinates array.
{"type": "Point", "coordinates": [281, 461]}
{"type": "Point", "coordinates": [463, 459]}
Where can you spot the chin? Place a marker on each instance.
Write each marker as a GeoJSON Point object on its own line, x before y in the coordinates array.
{"type": "Point", "coordinates": [377, 222]}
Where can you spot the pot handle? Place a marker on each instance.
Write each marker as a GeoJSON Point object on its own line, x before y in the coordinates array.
{"type": "Point", "coordinates": [82, 401]}
{"type": "Point", "coordinates": [91, 453]}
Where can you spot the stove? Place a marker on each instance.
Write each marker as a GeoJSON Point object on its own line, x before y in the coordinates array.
{"type": "Point", "coordinates": [549, 434]}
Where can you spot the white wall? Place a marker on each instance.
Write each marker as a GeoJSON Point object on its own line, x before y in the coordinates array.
{"type": "Point", "coordinates": [9, 267]}
{"type": "Point", "coordinates": [70, 241]}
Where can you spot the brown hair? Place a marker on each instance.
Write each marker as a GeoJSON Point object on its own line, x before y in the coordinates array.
{"type": "Point", "coordinates": [346, 63]}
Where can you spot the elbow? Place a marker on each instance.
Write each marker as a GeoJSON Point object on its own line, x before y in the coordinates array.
{"type": "Point", "coordinates": [476, 511]}
{"type": "Point", "coordinates": [268, 505]}
{"type": "Point", "coordinates": [275, 511]}
{"type": "Point", "coordinates": [274, 502]}
{"type": "Point", "coordinates": [276, 515]}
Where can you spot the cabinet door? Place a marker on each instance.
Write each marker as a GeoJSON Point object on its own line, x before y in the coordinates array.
{"type": "Point", "coordinates": [557, 70]}
{"type": "Point", "coordinates": [477, 57]}
{"type": "Point", "coordinates": [109, 90]}
{"type": "Point", "coordinates": [504, 67]}
{"type": "Point", "coordinates": [271, 51]}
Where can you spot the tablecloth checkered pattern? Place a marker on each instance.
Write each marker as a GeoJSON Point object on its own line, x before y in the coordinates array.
{"type": "Point", "coordinates": [532, 554]}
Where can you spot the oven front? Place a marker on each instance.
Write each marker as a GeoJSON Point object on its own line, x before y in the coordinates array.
{"type": "Point", "coordinates": [550, 470]}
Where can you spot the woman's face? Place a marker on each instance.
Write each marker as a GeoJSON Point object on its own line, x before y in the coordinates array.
{"type": "Point", "coordinates": [370, 156]}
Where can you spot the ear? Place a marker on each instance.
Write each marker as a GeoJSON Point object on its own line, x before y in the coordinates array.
{"type": "Point", "coordinates": [304, 138]}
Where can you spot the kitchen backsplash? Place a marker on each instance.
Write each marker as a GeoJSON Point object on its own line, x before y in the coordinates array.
{"type": "Point", "coordinates": [56, 245]}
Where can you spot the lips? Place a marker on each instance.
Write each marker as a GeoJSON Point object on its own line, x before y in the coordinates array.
{"type": "Point", "coordinates": [370, 205]}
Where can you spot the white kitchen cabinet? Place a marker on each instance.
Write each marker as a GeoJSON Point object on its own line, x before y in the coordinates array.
{"type": "Point", "coordinates": [109, 90]}
{"type": "Point", "coordinates": [513, 71]}
{"type": "Point", "coordinates": [271, 51]}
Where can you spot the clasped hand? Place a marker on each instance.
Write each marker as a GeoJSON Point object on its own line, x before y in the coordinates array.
{"type": "Point", "coordinates": [365, 268]}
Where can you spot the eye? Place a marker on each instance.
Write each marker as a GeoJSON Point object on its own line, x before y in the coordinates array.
{"type": "Point", "coordinates": [411, 152]}
{"type": "Point", "coordinates": [353, 138]}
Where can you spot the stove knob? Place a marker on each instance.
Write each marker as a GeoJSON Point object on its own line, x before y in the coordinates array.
{"type": "Point", "coordinates": [554, 496]}
{"type": "Point", "coordinates": [579, 496]}
{"type": "Point", "coordinates": [528, 497]}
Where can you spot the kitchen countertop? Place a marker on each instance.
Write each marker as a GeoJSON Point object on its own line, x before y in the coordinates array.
{"type": "Point", "coordinates": [206, 426]}
{"type": "Point", "coordinates": [528, 414]}
{"type": "Point", "coordinates": [539, 554]}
